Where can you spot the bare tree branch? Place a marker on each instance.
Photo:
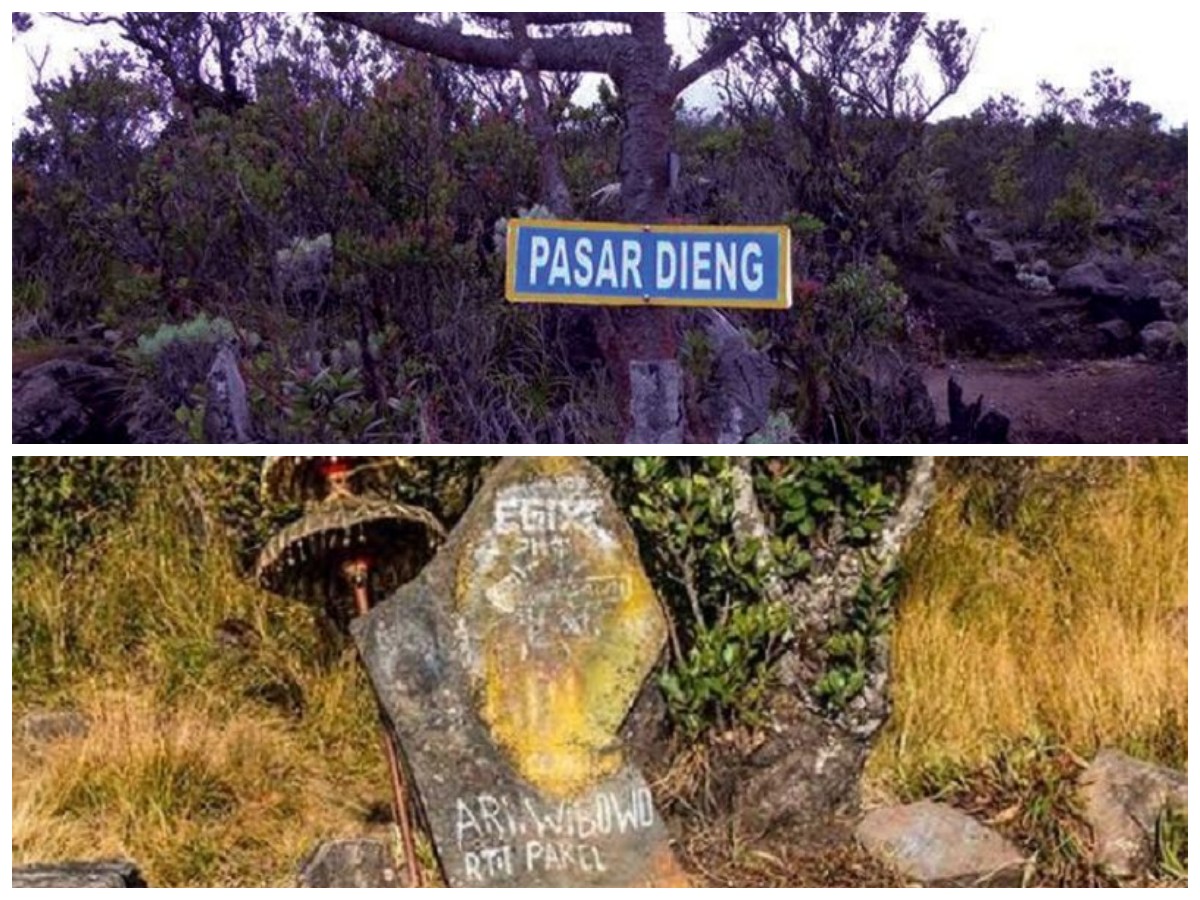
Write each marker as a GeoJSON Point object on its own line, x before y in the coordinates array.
{"type": "Point", "coordinates": [536, 18]}
{"type": "Point", "coordinates": [723, 48]}
{"type": "Point", "coordinates": [591, 53]}
{"type": "Point", "coordinates": [555, 193]}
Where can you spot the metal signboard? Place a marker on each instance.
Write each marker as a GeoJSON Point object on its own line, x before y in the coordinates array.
{"type": "Point", "coordinates": [605, 263]}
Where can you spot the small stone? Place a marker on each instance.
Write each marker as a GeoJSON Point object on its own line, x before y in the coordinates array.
{"type": "Point", "coordinates": [940, 846]}
{"type": "Point", "coordinates": [655, 402]}
{"type": "Point", "coordinates": [1002, 254]}
{"type": "Point", "coordinates": [1122, 800]}
{"type": "Point", "coordinates": [350, 863]}
{"type": "Point", "coordinates": [118, 873]}
{"type": "Point", "coordinates": [1158, 339]}
{"type": "Point", "coordinates": [1117, 334]}
{"type": "Point", "coordinates": [226, 409]}
{"type": "Point", "coordinates": [1090, 279]}
{"type": "Point", "coordinates": [48, 726]}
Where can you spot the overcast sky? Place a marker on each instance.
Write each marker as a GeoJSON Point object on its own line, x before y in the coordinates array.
{"type": "Point", "coordinates": [1017, 48]}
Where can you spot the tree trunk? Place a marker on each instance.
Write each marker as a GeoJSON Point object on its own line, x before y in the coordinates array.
{"type": "Point", "coordinates": [641, 344]}
{"type": "Point", "coordinates": [805, 776]}
{"type": "Point", "coordinates": [554, 190]}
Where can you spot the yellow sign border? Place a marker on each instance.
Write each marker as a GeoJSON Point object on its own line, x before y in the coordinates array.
{"type": "Point", "coordinates": [781, 232]}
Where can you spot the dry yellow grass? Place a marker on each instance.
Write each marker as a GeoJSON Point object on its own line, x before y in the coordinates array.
{"type": "Point", "coordinates": [209, 765]}
{"type": "Point", "coordinates": [196, 795]}
{"type": "Point", "coordinates": [1068, 626]}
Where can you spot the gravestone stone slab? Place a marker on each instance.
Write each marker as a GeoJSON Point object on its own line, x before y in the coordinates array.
{"type": "Point", "coordinates": [506, 670]}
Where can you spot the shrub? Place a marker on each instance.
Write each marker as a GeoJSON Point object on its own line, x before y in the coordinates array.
{"type": "Point", "coordinates": [1073, 215]}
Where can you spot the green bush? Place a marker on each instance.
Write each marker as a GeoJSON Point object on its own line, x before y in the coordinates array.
{"type": "Point", "coordinates": [1073, 215]}
{"type": "Point", "coordinates": [61, 502]}
{"type": "Point", "coordinates": [729, 623]}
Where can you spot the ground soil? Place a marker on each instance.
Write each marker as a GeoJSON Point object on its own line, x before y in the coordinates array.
{"type": "Point", "coordinates": [1103, 401]}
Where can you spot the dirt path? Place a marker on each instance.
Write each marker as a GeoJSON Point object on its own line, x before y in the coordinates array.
{"type": "Point", "coordinates": [1117, 401]}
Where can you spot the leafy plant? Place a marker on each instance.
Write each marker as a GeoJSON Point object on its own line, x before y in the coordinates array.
{"type": "Point", "coordinates": [1075, 212]}
{"type": "Point", "coordinates": [851, 651]}
{"type": "Point", "coordinates": [60, 502]}
{"type": "Point", "coordinates": [723, 587]}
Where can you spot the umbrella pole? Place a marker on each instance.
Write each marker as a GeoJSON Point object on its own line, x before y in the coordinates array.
{"type": "Point", "coordinates": [362, 603]}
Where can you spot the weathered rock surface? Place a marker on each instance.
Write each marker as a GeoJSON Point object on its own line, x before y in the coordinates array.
{"type": "Point", "coordinates": [1116, 287]}
{"type": "Point", "coordinates": [941, 846]}
{"type": "Point", "coordinates": [1091, 279]}
{"type": "Point", "coordinates": [348, 863]}
{"type": "Point", "coordinates": [65, 401]}
{"type": "Point", "coordinates": [655, 402]}
{"type": "Point", "coordinates": [48, 726]}
{"type": "Point", "coordinates": [1002, 254]}
{"type": "Point", "coordinates": [736, 400]}
{"type": "Point", "coordinates": [1158, 339]}
{"type": "Point", "coordinates": [1117, 334]}
{"type": "Point", "coordinates": [102, 874]}
{"type": "Point", "coordinates": [1122, 800]}
{"type": "Point", "coordinates": [507, 669]}
{"type": "Point", "coordinates": [803, 781]}
{"type": "Point", "coordinates": [803, 778]}
{"type": "Point", "coordinates": [226, 407]}
{"type": "Point", "coordinates": [895, 392]}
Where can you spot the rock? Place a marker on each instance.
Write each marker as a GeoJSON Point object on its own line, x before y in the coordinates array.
{"type": "Point", "coordinates": [969, 424]}
{"type": "Point", "coordinates": [655, 402]}
{"type": "Point", "coordinates": [48, 726]}
{"type": "Point", "coordinates": [1115, 288]}
{"type": "Point", "coordinates": [1116, 330]}
{"type": "Point", "coordinates": [1159, 339]}
{"type": "Point", "coordinates": [1117, 336]}
{"type": "Point", "coordinates": [1039, 284]}
{"type": "Point", "coordinates": [735, 401]}
{"type": "Point", "coordinates": [507, 669]}
{"type": "Point", "coordinates": [304, 267]}
{"type": "Point", "coordinates": [976, 223]}
{"type": "Point", "coordinates": [940, 846]}
{"type": "Point", "coordinates": [894, 391]}
{"type": "Point", "coordinates": [1122, 799]}
{"type": "Point", "coordinates": [102, 874]}
{"type": "Point", "coordinates": [803, 781]}
{"type": "Point", "coordinates": [1166, 291]}
{"type": "Point", "coordinates": [350, 863]}
{"type": "Point", "coordinates": [1171, 298]}
{"type": "Point", "coordinates": [1129, 223]}
{"type": "Point", "coordinates": [1002, 254]}
{"type": "Point", "coordinates": [226, 408]}
{"type": "Point", "coordinates": [66, 401]}
{"type": "Point", "coordinates": [1091, 280]}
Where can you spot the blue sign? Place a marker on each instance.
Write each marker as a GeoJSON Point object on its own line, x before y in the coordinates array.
{"type": "Point", "coordinates": [744, 267]}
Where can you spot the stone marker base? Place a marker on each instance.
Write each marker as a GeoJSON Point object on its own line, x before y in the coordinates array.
{"type": "Point", "coordinates": [119, 873]}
